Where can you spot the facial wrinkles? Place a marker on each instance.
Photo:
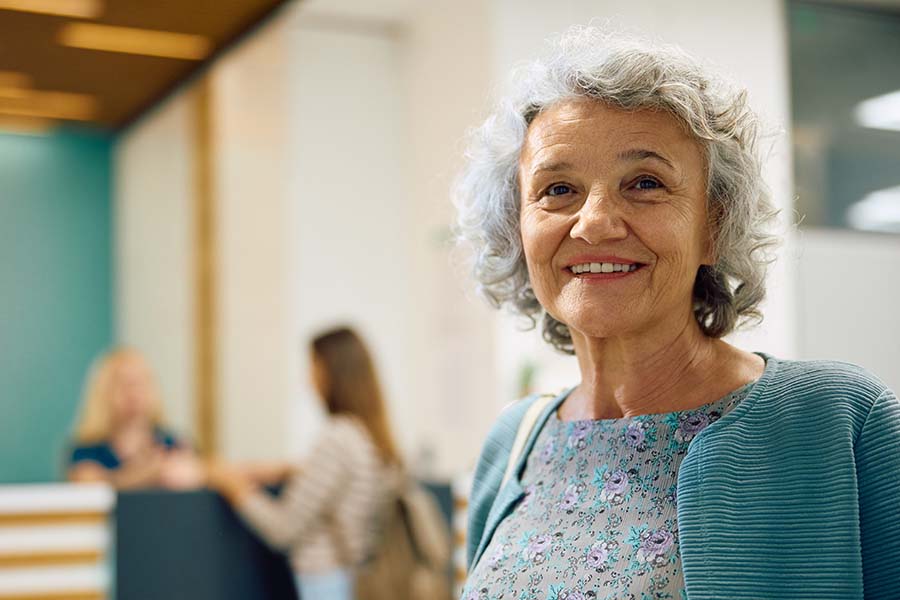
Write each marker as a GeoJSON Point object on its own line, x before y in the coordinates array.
{"type": "Point", "coordinates": [573, 145]}
{"type": "Point", "coordinates": [591, 144]}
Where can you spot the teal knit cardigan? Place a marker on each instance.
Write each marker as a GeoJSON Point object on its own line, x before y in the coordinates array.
{"type": "Point", "coordinates": [793, 494]}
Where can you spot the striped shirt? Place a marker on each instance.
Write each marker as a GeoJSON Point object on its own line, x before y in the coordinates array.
{"type": "Point", "coordinates": [327, 515]}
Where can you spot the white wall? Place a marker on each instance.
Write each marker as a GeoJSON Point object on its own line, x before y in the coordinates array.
{"type": "Point", "coordinates": [371, 187]}
{"type": "Point", "coordinates": [251, 153]}
{"type": "Point", "coordinates": [155, 248]}
{"type": "Point", "coordinates": [153, 196]}
{"type": "Point", "coordinates": [847, 306]}
{"type": "Point", "coordinates": [351, 221]}
{"type": "Point", "coordinates": [447, 77]}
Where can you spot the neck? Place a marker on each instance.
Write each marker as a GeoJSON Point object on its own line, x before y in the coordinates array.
{"type": "Point", "coordinates": [651, 372]}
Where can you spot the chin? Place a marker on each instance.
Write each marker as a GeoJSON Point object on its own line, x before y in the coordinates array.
{"type": "Point", "coordinates": [599, 320]}
{"type": "Point", "coordinates": [597, 330]}
{"type": "Point", "coordinates": [593, 326]}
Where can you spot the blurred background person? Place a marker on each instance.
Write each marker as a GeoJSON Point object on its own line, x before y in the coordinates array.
{"type": "Point", "coordinates": [121, 437]}
{"type": "Point", "coordinates": [327, 516]}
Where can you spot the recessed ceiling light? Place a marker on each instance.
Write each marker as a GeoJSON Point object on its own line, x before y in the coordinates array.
{"type": "Point", "coordinates": [13, 92]}
{"type": "Point", "coordinates": [131, 40]}
{"type": "Point", "coordinates": [880, 112]}
{"type": "Point", "coordinates": [877, 211]}
{"type": "Point", "coordinates": [80, 9]}
{"type": "Point", "coordinates": [51, 105]}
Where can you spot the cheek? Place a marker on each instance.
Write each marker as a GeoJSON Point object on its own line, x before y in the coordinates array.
{"type": "Point", "coordinates": [541, 236]}
{"type": "Point", "coordinates": [674, 236]}
{"type": "Point", "coordinates": [540, 240]}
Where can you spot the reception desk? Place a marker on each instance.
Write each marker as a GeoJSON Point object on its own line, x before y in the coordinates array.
{"type": "Point", "coordinates": [192, 545]}
{"type": "Point", "coordinates": [55, 542]}
{"type": "Point", "coordinates": [87, 542]}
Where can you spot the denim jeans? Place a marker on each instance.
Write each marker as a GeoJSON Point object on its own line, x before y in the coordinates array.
{"type": "Point", "coordinates": [333, 585]}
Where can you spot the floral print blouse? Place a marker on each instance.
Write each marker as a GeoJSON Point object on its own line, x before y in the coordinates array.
{"type": "Point", "coordinates": [598, 519]}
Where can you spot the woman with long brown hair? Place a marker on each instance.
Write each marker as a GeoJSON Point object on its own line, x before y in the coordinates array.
{"type": "Point", "coordinates": [327, 515]}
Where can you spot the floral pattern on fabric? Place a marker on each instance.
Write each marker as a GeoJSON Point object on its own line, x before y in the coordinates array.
{"type": "Point", "coordinates": [598, 519]}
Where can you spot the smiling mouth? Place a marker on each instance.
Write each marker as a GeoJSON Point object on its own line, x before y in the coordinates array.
{"type": "Point", "coordinates": [604, 267]}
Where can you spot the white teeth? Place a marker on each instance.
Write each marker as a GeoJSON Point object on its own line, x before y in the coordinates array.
{"type": "Point", "coordinates": [602, 268]}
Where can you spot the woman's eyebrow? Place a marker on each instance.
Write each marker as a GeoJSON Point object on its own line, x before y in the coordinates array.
{"type": "Point", "coordinates": [552, 166]}
{"type": "Point", "coordinates": [641, 154]}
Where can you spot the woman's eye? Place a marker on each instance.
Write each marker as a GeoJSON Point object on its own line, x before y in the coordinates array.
{"type": "Point", "coordinates": [559, 189]}
{"type": "Point", "coordinates": [647, 183]}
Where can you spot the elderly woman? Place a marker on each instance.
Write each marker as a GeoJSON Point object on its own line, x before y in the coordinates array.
{"type": "Point", "coordinates": [617, 198]}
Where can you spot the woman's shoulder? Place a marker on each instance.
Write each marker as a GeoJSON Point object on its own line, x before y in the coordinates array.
{"type": "Point", "coordinates": [823, 387]}
{"type": "Point", "coordinates": [824, 377]}
{"type": "Point", "coordinates": [100, 453]}
{"type": "Point", "coordinates": [492, 464]}
{"type": "Point", "coordinates": [344, 425]}
{"type": "Point", "coordinates": [498, 444]}
{"type": "Point", "coordinates": [503, 431]}
{"type": "Point", "coordinates": [348, 433]}
{"type": "Point", "coordinates": [166, 438]}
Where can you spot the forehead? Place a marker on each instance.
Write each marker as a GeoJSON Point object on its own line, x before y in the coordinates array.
{"type": "Point", "coordinates": [131, 365]}
{"type": "Point", "coordinates": [585, 128]}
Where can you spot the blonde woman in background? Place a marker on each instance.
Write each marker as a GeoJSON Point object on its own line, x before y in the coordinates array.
{"type": "Point", "coordinates": [120, 436]}
{"type": "Point", "coordinates": [327, 516]}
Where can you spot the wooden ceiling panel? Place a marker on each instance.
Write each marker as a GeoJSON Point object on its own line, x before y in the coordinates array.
{"type": "Point", "coordinates": [124, 85]}
{"type": "Point", "coordinates": [215, 18]}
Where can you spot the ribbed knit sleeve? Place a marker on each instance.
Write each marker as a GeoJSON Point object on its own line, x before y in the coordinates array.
{"type": "Point", "coordinates": [489, 473]}
{"type": "Point", "coordinates": [877, 452]}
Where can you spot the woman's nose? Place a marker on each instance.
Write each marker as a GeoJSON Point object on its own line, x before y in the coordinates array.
{"type": "Point", "coordinates": [599, 219]}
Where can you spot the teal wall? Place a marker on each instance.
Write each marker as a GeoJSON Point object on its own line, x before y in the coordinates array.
{"type": "Point", "coordinates": [55, 290]}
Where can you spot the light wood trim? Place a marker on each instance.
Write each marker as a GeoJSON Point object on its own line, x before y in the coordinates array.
{"type": "Point", "coordinates": [205, 261]}
{"type": "Point", "coordinates": [47, 559]}
{"type": "Point", "coordinates": [65, 595]}
{"type": "Point", "coordinates": [40, 518]}
{"type": "Point", "coordinates": [460, 503]}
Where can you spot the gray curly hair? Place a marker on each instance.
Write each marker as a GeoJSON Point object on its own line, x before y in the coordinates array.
{"type": "Point", "coordinates": [629, 73]}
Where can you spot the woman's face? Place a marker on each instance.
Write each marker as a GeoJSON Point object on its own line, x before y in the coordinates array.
{"type": "Point", "coordinates": [132, 390]}
{"type": "Point", "coordinates": [604, 189]}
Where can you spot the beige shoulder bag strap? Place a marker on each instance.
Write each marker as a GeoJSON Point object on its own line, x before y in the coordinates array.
{"type": "Point", "coordinates": [525, 427]}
